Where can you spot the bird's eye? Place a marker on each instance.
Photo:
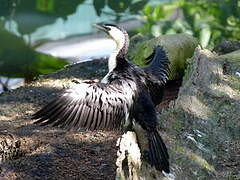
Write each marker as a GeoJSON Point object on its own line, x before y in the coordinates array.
{"type": "Point", "coordinates": [107, 28]}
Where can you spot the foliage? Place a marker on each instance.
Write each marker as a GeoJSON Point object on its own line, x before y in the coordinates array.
{"type": "Point", "coordinates": [43, 12]}
{"type": "Point", "coordinates": [210, 21]}
{"type": "Point", "coordinates": [31, 14]}
{"type": "Point", "coordinates": [119, 6]}
{"type": "Point", "coordinates": [19, 60]}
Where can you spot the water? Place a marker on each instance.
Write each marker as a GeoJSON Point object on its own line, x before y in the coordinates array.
{"type": "Point", "coordinates": [79, 48]}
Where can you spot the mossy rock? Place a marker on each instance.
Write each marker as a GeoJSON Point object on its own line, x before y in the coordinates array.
{"type": "Point", "coordinates": [203, 123]}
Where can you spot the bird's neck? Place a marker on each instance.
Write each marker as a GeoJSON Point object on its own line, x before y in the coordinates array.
{"type": "Point", "coordinates": [118, 55]}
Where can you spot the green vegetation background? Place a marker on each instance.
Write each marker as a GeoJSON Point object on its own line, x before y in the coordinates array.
{"type": "Point", "coordinates": [210, 21]}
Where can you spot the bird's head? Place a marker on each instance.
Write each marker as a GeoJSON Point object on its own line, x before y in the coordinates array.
{"type": "Point", "coordinates": [118, 34]}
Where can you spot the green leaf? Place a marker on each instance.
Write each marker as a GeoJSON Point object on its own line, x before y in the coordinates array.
{"type": "Point", "coordinates": [158, 12]}
{"type": "Point", "coordinates": [205, 35]}
{"type": "Point", "coordinates": [98, 6]}
{"type": "Point", "coordinates": [45, 5]}
{"type": "Point", "coordinates": [6, 7]}
{"type": "Point", "coordinates": [63, 8]}
{"type": "Point", "coordinates": [119, 6]}
{"type": "Point", "coordinates": [46, 64]}
{"type": "Point", "coordinates": [138, 6]}
{"type": "Point", "coordinates": [19, 60]}
{"type": "Point", "coordinates": [156, 30]}
{"type": "Point", "coordinates": [148, 10]}
{"type": "Point", "coordinates": [32, 14]}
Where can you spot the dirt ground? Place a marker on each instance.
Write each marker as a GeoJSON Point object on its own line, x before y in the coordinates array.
{"type": "Point", "coordinates": [53, 153]}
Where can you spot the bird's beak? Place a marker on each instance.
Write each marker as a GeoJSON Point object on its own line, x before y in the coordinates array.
{"type": "Point", "coordinates": [101, 27]}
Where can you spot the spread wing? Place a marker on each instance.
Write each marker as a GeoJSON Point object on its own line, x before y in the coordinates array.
{"type": "Point", "coordinates": [157, 71]}
{"type": "Point", "coordinates": [158, 64]}
{"type": "Point", "coordinates": [90, 106]}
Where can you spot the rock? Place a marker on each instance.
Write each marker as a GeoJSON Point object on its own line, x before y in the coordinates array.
{"type": "Point", "coordinates": [205, 118]}
{"type": "Point", "coordinates": [226, 46]}
{"type": "Point", "coordinates": [201, 128]}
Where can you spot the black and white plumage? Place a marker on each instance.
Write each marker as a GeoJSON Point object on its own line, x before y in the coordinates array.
{"type": "Point", "coordinates": [128, 94]}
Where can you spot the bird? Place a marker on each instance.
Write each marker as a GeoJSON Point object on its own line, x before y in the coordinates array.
{"type": "Point", "coordinates": [126, 96]}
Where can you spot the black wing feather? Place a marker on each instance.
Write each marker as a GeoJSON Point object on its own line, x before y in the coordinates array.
{"type": "Point", "coordinates": [145, 115]}
{"type": "Point", "coordinates": [90, 106]}
{"type": "Point", "coordinates": [90, 119]}
{"type": "Point", "coordinates": [158, 64]}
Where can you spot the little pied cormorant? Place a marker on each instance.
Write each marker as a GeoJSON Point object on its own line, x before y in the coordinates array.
{"type": "Point", "coordinates": [128, 94]}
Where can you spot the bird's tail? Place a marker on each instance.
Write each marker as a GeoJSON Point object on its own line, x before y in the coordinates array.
{"type": "Point", "coordinates": [158, 64]}
{"type": "Point", "coordinates": [158, 154]}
